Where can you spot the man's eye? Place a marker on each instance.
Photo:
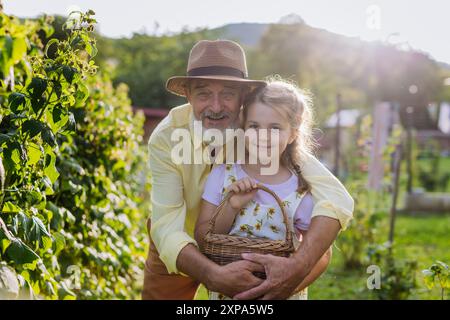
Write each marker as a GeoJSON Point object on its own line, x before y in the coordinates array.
{"type": "Point", "coordinates": [228, 95]}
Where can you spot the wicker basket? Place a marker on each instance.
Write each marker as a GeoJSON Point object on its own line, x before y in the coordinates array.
{"type": "Point", "coordinates": [224, 248]}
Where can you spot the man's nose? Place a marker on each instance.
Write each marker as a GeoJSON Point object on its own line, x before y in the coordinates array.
{"type": "Point", "coordinates": [215, 104]}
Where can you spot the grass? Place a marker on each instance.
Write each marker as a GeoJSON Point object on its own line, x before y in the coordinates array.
{"type": "Point", "coordinates": [424, 239]}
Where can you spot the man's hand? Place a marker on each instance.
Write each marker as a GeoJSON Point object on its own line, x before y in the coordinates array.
{"type": "Point", "coordinates": [282, 277]}
{"type": "Point", "coordinates": [234, 277]}
{"type": "Point", "coordinates": [285, 274]}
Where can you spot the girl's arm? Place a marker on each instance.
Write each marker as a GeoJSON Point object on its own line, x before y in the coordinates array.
{"type": "Point", "coordinates": [223, 222]}
{"type": "Point", "coordinates": [244, 191]}
{"type": "Point", "coordinates": [317, 270]}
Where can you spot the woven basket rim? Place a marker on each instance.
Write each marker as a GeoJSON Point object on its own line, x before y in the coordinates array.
{"type": "Point", "coordinates": [215, 240]}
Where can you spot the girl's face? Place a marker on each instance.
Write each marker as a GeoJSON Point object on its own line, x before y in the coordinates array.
{"type": "Point", "coordinates": [262, 117]}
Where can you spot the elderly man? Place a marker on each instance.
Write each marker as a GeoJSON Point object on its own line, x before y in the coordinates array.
{"type": "Point", "coordinates": [215, 86]}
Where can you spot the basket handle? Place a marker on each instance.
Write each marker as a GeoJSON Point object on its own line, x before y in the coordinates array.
{"type": "Point", "coordinates": [220, 209]}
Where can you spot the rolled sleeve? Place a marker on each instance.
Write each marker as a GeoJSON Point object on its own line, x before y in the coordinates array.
{"type": "Point", "coordinates": [330, 196]}
{"type": "Point", "coordinates": [168, 212]}
{"type": "Point", "coordinates": [327, 209]}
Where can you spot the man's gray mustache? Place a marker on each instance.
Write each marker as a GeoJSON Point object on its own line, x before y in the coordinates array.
{"type": "Point", "coordinates": [215, 115]}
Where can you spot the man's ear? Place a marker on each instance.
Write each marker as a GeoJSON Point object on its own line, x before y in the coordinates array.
{"type": "Point", "coordinates": [187, 94]}
{"type": "Point", "coordinates": [187, 91]}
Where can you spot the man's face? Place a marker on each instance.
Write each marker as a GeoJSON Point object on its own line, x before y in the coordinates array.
{"type": "Point", "coordinates": [216, 103]}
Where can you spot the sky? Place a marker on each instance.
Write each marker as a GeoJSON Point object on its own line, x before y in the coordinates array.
{"type": "Point", "coordinates": [418, 24]}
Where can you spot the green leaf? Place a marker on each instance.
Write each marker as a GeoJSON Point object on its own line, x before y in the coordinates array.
{"type": "Point", "coordinates": [428, 278]}
{"type": "Point", "coordinates": [59, 242]}
{"type": "Point", "coordinates": [37, 104]}
{"type": "Point", "coordinates": [2, 175]}
{"type": "Point", "coordinates": [33, 197]}
{"type": "Point", "coordinates": [443, 265]}
{"type": "Point", "coordinates": [37, 87]}
{"type": "Point", "coordinates": [57, 87]}
{"type": "Point", "coordinates": [50, 167]}
{"type": "Point", "coordinates": [91, 48]}
{"type": "Point", "coordinates": [65, 293]}
{"type": "Point", "coordinates": [12, 155]}
{"type": "Point", "coordinates": [75, 41]}
{"type": "Point", "coordinates": [71, 124]}
{"type": "Point", "coordinates": [6, 52]}
{"type": "Point", "coordinates": [56, 113]}
{"type": "Point", "coordinates": [19, 49]}
{"type": "Point", "coordinates": [69, 73]}
{"type": "Point", "coordinates": [49, 44]}
{"type": "Point", "coordinates": [7, 44]}
{"type": "Point", "coordinates": [82, 93]}
{"type": "Point", "coordinates": [34, 152]}
{"type": "Point", "coordinates": [46, 243]}
{"type": "Point", "coordinates": [4, 241]}
{"type": "Point", "coordinates": [38, 227]}
{"type": "Point", "coordinates": [447, 282]}
{"type": "Point", "coordinates": [74, 165]}
{"type": "Point", "coordinates": [57, 221]}
{"type": "Point", "coordinates": [16, 101]}
{"type": "Point", "coordinates": [48, 136]}
{"type": "Point", "coordinates": [4, 138]}
{"type": "Point", "coordinates": [68, 185]}
{"type": "Point", "coordinates": [24, 221]}
{"type": "Point", "coordinates": [15, 156]}
{"type": "Point", "coordinates": [10, 207]}
{"type": "Point", "coordinates": [33, 126]}
{"type": "Point", "coordinates": [20, 253]}
{"type": "Point", "coordinates": [48, 185]}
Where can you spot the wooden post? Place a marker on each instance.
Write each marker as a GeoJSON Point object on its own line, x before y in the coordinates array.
{"type": "Point", "coordinates": [410, 115]}
{"type": "Point", "coordinates": [338, 135]}
{"type": "Point", "coordinates": [398, 155]}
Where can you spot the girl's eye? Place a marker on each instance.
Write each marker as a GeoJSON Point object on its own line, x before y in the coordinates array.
{"type": "Point", "coordinates": [253, 126]}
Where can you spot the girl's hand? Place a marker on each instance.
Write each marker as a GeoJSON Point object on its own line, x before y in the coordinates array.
{"type": "Point", "coordinates": [244, 191]}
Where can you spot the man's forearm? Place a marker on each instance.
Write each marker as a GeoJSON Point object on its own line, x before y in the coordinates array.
{"type": "Point", "coordinates": [320, 236]}
{"type": "Point", "coordinates": [316, 271]}
{"type": "Point", "coordinates": [193, 263]}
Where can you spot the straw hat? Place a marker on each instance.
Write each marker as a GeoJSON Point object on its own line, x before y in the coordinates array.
{"type": "Point", "coordinates": [218, 60]}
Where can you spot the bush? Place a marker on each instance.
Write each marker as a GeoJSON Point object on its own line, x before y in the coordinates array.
{"type": "Point", "coordinates": [71, 225]}
{"type": "Point", "coordinates": [398, 277]}
{"type": "Point", "coordinates": [439, 272]}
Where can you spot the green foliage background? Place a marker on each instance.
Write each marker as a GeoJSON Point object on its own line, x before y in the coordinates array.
{"type": "Point", "coordinates": [71, 211]}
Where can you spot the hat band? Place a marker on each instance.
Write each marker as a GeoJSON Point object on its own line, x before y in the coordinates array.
{"type": "Point", "coordinates": [216, 71]}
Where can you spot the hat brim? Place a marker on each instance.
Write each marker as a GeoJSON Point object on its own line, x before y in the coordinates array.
{"type": "Point", "coordinates": [177, 85]}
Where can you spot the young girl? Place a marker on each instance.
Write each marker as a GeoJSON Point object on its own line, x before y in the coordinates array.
{"type": "Point", "coordinates": [255, 213]}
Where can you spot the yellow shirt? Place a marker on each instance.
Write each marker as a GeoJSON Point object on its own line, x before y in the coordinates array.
{"type": "Point", "coordinates": [177, 189]}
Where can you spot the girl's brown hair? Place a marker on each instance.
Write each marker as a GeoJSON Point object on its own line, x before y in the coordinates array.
{"type": "Point", "coordinates": [296, 105]}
